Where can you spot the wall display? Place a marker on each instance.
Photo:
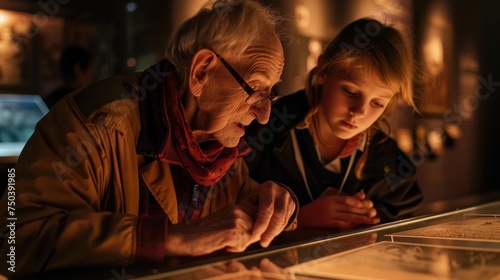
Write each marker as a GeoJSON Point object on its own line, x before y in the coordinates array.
{"type": "Point", "coordinates": [16, 33]}
{"type": "Point", "coordinates": [31, 46]}
{"type": "Point", "coordinates": [435, 45]}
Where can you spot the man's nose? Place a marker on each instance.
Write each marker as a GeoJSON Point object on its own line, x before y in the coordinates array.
{"type": "Point", "coordinates": [262, 112]}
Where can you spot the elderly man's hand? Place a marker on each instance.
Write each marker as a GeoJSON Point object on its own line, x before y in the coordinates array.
{"type": "Point", "coordinates": [259, 217]}
{"type": "Point", "coordinates": [271, 207]}
{"type": "Point", "coordinates": [231, 227]}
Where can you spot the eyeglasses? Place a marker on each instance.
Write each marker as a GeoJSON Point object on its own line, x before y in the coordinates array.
{"type": "Point", "coordinates": [255, 97]}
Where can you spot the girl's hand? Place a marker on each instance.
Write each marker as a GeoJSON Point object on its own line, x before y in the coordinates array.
{"type": "Point", "coordinates": [338, 211]}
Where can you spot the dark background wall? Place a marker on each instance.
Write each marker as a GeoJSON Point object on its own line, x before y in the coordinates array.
{"type": "Point", "coordinates": [488, 29]}
{"type": "Point", "coordinates": [470, 166]}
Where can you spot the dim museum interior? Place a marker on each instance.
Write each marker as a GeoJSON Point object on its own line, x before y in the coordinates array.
{"type": "Point", "coordinates": [452, 140]}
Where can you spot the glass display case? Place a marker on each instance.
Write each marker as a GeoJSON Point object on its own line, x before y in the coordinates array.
{"type": "Point", "coordinates": [460, 244]}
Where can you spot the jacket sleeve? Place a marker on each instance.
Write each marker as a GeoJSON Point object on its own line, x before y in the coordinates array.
{"type": "Point", "coordinates": [63, 175]}
{"type": "Point", "coordinates": [395, 197]}
{"type": "Point", "coordinates": [391, 182]}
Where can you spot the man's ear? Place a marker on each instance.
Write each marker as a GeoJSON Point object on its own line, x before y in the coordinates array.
{"type": "Point", "coordinates": [320, 79]}
{"type": "Point", "coordinates": [203, 61]}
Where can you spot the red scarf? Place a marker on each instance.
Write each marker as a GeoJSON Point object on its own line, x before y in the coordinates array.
{"type": "Point", "coordinates": [205, 166]}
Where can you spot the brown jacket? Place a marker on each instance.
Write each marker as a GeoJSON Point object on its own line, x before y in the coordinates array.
{"type": "Point", "coordinates": [77, 194]}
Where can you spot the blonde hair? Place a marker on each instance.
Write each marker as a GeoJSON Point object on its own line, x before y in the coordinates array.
{"type": "Point", "coordinates": [225, 25]}
{"type": "Point", "coordinates": [377, 49]}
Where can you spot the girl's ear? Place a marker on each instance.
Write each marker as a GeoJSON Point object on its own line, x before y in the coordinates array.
{"type": "Point", "coordinates": [320, 79]}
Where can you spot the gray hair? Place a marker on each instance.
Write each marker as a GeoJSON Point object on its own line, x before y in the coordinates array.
{"type": "Point", "coordinates": [226, 26]}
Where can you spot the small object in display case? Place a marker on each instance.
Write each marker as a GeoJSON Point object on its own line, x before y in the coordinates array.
{"type": "Point", "coordinates": [481, 231]}
{"type": "Point", "coordinates": [394, 260]}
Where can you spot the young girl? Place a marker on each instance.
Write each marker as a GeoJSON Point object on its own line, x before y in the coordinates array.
{"type": "Point", "coordinates": [326, 142]}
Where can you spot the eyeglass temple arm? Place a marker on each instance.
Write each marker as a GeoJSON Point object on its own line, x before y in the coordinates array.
{"type": "Point", "coordinates": [237, 76]}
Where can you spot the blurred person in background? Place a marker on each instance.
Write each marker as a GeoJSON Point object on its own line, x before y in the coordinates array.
{"type": "Point", "coordinates": [77, 71]}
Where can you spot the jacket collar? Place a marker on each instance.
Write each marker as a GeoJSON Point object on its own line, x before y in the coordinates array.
{"type": "Point", "coordinates": [153, 130]}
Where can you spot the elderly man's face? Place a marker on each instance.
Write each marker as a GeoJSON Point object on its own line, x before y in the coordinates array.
{"type": "Point", "coordinates": [223, 105]}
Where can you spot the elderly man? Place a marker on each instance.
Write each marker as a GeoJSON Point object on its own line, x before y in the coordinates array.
{"type": "Point", "coordinates": [133, 169]}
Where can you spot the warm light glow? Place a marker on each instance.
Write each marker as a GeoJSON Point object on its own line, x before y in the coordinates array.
{"type": "Point", "coordinates": [434, 54]}
{"type": "Point", "coordinates": [302, 16]}
{"type": "Point", "coordinates": [454, 131]}
{"type": "Point", "coordinates": [435, 140]}
{"type": "Point", "coordinates": [315, 49]}
{"type": "Point", "coordinates": [404, 139]}
{"type": "Point", "coordinates": [131, 62]}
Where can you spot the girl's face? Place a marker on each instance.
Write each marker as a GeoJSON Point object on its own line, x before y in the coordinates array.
{"type": "Point", "coordinates": [350, 104]}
